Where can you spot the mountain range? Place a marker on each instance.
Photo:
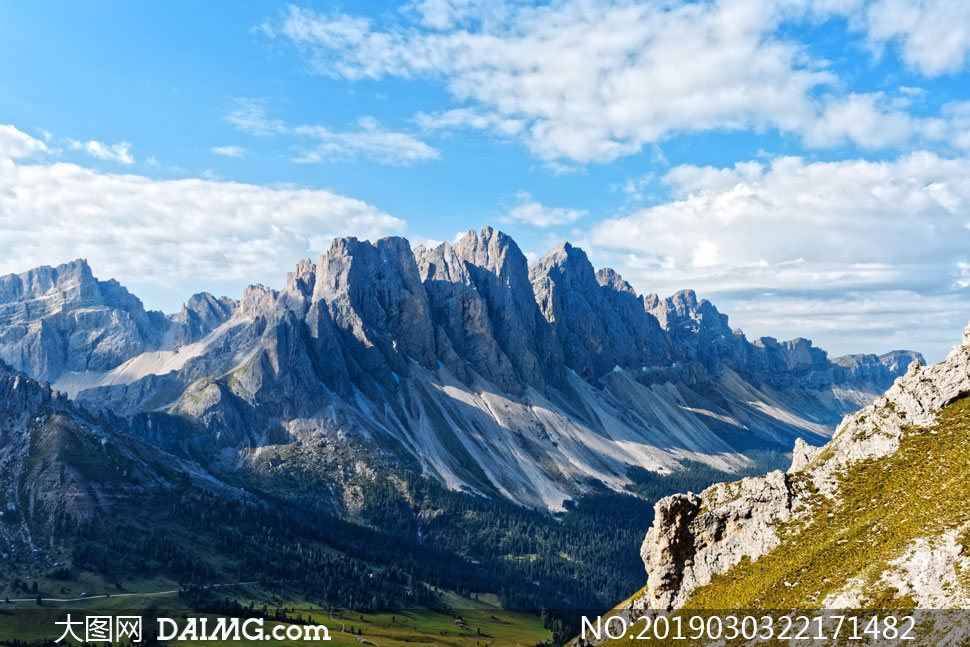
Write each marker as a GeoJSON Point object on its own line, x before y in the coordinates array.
{"type": "Point", "coordinates": [462, 361]}
{"type": "Point", "coordinates": [535, 383]}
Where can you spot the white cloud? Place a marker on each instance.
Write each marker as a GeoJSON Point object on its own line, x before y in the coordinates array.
{"type": "Point", "coordinates": [120, 152]}
{"type": "Point", "coordinates": [856, 216]}
{"type": "Point", "coordinates": [933, 36]}
{"type": "Point", "coordinates": [532, 212]}
{"type": "Point", "coordinates": [872, 121]}
{"type": "Point", "coordinates": [445, 14]}
{"type": "Point", "coordinates": [167, 233]}
{"type": "Point", "coordinates": [958, 116]}
{"type": "Point", "coordinates": [469, 118]}
{"type": "Point", "coordinates": [588, 81]}
{"type": "Point", "coordinates": [370, 140]}
{"type": "Point", "coordinates": [15, 144]}
{"type": "Point", "coordinates": [229, 151]}
{"type": "Point", "coordinates": [930, 36]}
{"type": "Point", "coordinates": [249, 116]}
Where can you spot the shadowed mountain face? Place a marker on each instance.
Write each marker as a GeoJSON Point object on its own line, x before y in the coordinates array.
{"type": "Point", "coordinates": [533, 383]}
{"type": "Point", "coordinates": [61, 467]}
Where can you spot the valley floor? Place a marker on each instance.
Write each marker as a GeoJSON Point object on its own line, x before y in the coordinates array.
{"type": "Point", "coordinates": [482, 622]}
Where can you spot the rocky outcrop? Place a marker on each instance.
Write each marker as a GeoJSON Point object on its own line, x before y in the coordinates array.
{"type": "Point", "coordinates": [500, 273]}
{"type": "Point", "coordinates": [379, 307]}
{"type": "Point", "coordinates": [701, 335]}
{"type": "Point", "coordinates": [58, 322]}
{"type": "Point", "coordinates": [697, 537]}
{"type": "Point", "coordinates": [599, 321]}
{"type": "Point", "coordinates": [698, 332]}
{"type": "Point", "coordinates": [464, 334]}
{"type": "Point", "coordinates": [202, 314]}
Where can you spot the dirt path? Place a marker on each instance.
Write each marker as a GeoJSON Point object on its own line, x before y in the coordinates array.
{"type": "Point", "coordinates": [361, 639]}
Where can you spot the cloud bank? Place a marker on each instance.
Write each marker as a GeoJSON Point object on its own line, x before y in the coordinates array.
{"type": "Point", "coordinates": [166, 234]}
{"type": "Point", "coordinates": [120, 152]}
{"type": "Point", "coordinates": [855, 244]}
{"type": "Point", "coordinates": [594, 80]}
{"type": "Point", "coordinates": [530, 211]}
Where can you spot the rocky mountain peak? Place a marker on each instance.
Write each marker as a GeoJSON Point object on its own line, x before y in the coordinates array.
{"type": "Point", "coordinates": [257, 300]}
{"type": "Point", "coordinates": [684, 301]}
{"type": "Point", "coordinates": [495, 252]}
{"type": "Point", "coordinates": [465, 327]}
{"type": "Point", "coordinates": [45, 278]}
{"type": "Point", "coordinates": [610, 278]}
{"type": "Point", "coordinates": [897, 361]}
{"type": "Point", "coordinates": [202, 314]}
{"type": "Point", "coordinates": [500, 273]}
{"type": "Point", "coordinates": [565, 262]}
{"type": "Point", "coordinates": [377, 301]}
{"type": "Point", "coordinates": [798, 352]}
{"type": "Point", "coordinates": [526, 382]}
{"type": "Point", "coordinates": [598, 327]}
{"type": "Point", "coordinates": [685, 309]}
{"type": "Point", "coordinates": [21, 397]}
{"type": "Point", "coordinates": [302, 280]}
{"type": "Point", "coordinates": [441, 264]}
{"type": "Point", "coordinates": [48, 288]}
{"type": "Point", "coordinates": [48, 318]}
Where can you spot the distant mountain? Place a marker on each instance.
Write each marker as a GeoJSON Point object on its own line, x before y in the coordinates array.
{"type": "Point", "coordinates": [463, 363]}
{"type": "Point", "coordinates": [61, 468]}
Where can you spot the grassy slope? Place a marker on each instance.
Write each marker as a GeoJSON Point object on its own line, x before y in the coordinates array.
{"type": "Point", "coordinates": [922, 490]}
{"type": "Point", "coordinates": [884, 505]}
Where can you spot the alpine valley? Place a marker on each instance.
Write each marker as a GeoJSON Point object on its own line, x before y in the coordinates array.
{"type": "Point", "coordinates": [396, 423]}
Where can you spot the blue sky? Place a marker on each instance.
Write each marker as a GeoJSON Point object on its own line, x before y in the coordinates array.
{"type": "Point", "coordinates": [802, 163]}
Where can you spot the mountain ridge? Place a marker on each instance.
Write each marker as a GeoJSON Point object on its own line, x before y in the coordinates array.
{"type": "Point", "coordinates": [533, 383]}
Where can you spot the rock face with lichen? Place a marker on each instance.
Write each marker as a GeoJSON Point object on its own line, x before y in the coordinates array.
{"type": "Point", "coordinates": [696, 536]}
{"type": "Point", "coordinates": [878, 516]}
